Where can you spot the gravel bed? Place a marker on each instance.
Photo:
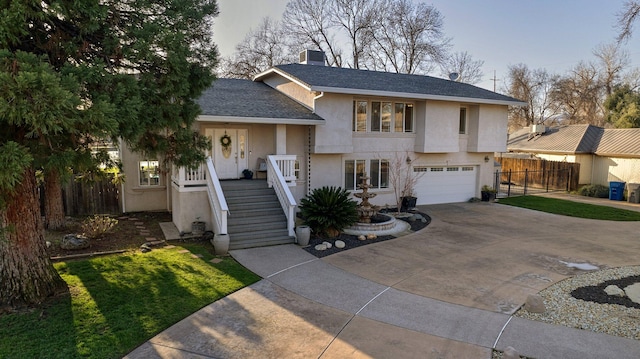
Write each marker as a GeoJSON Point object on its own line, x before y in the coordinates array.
{"type": "Point", "coordinates": [563, 309]}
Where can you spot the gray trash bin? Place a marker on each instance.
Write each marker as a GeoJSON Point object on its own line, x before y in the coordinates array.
{"type": "Point", "coordinates": [633, 192]}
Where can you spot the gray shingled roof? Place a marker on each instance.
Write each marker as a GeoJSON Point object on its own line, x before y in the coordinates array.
{"type": "Point", "coordinates": [245, 98]}
{"type": "Point", "coordinates": [575, 139]}
{"type": "Point", "coordinates": [341, 79]}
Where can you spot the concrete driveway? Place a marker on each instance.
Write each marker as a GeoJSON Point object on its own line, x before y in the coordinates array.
{"type": "Point", "coordinates": [447, 291]}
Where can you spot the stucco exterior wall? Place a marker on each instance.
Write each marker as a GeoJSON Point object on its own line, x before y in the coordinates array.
{"type": "Point", "coordinates": [141, 198]}
{"type": "Point", "coordinates": [189, 207]}
{"type": "Point", "coordinates": [487, 127]}
{"type": "Point", "coordinates": [335, 135]}
{"type": "Point", "coordinates": [607, 169]}
{"type": "Point", "coordinates": [437, 130]}
{"type": "Point", "coordinates": [291, 89]}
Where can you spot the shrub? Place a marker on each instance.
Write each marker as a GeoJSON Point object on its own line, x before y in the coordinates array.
{"type": "Point", "coordinates": [96, 226]}
{"type": "Point", "coordinates": [328, 210]}
{"type": "Point", "coordinates": [594, 190]}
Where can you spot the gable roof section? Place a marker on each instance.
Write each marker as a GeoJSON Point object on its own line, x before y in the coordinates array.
{"type": "Point", "coordinates": [248, 101]}
{"type": "Point", "coordinates": [375, 83]}
{"type": "Point", "coordinates": [578, 139]}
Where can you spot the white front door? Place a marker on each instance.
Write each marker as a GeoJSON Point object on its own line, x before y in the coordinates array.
{"type": "Point", "coordinates": [230, 152]}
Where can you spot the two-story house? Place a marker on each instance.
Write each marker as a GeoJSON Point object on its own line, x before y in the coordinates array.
{"type": "Point", "coordinates": [309, 125]}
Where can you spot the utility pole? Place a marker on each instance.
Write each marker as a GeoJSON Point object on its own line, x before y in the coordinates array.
{"type": "Point", "coordinates": [494, 79]}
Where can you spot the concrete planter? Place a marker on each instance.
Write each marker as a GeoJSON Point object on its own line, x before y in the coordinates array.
{"type": "Point", "coordinates": [221, 244]}
{"type": "Point", "coordinates": [303, 233]}
{"type": "Point", "coordinates": [198, 228]}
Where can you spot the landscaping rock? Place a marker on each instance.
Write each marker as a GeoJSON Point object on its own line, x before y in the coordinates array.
{"type": "Point", "coordinates": [74, 241]}
{"type": "Point", "coordinates": [614, 290]}
{"type": "Point", "coordinates": [510, 353]}
{"type": "Point", "coordinates": [145, 248]}
{"type": "Point", "coordinates": [340, 244]}
{"type": "Point", "coordinates": [633, 292]}
{"type": "Point", "coordinates": [534, 304]}
{"type": "Point", "coordinates": [372, 236]}
{"type": "Point", "coordinates": [362, 237]}
{"type": "Point", "coordinates": [320, 247]}
{"type": "Point", "coordinates": [327, 244]}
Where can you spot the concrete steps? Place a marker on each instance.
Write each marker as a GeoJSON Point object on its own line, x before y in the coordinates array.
{"type": "Point", "coordinates": [256, 218]}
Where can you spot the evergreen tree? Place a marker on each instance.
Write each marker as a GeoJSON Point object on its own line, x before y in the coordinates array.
{"type": "Point", "coordinates": [75, 71]}
{"type": "Point", "coordinates": [624, 107]}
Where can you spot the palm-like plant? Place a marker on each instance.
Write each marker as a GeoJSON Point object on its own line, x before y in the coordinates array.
{"type": "Point", "coordinates": [328, 210]}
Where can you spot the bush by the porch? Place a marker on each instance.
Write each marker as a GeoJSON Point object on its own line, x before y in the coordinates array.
{"type": "Point", "coordinates": [328, 210]}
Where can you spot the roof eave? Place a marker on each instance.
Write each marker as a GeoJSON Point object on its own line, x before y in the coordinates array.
{"type": "Point", "coordinates": [262, 120]}
{"type": "Point", "coordinates": [419, 96]}
{"type": "Point", "coordinates": [274, 70]}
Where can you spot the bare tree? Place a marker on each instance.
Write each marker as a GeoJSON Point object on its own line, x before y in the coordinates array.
{"type": "Point", "coordinates": [626, 18]}
{"type": "Point", "coordinates": [469, 71]}
{"type": "Point", "coordinates": [260, 50]}
{"type": "Point", "coordinates": [355, 18]}
{"type": "Point", "coordinates": [612, 61]}
{"type": "Point", "coordinates": [408, 38]}
{"type": "Point", "coordinates": [579, 95]}
{"type": "Point", "coordinates": [534, 87]}
{"type": "Point", "coordinates": [310, 24]}
{"type": "Point", "coordinates": [402, 177]}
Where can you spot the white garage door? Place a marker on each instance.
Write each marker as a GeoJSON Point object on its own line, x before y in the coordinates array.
{"type": "Point", "coordinates": [445, 184]}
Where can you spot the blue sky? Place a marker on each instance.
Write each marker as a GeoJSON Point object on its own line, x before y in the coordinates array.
{"type": "Point", "coordinates": [550, 34]}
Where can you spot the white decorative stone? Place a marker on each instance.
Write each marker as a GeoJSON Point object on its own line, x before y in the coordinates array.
{"type": "Point", "coordinates": [320, 247]}
{"type": "Point", "coordinates": [633, 292]}
{"type": "Point", "coordinates": [49, 244]}
{"type": "Point", "coordinates": [371, 236]}
{"type": "Point", "coordinates": [327, 244]}
{"type": "Point", "coordinates": [340, 244]}
{"type": "Point", "coordinates": [362, 237]}
{"type": "Point", "coordinates": [614, 290]}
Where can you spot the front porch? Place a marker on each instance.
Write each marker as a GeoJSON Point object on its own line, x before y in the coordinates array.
{"type": "Point", "coordinates": [252, 212]}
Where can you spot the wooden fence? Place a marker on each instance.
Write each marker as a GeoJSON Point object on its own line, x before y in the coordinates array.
{"type": "Point", "coordinates": [88, 198]}
{"type": "Point", "coordinates": [538, 174]}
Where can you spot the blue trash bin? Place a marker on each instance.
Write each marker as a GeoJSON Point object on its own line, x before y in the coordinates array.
{"type": "Point", "coordinates": [616, 191]}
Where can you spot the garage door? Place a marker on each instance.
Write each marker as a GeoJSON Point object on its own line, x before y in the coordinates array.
{"type": "Point", "coordinates": [445, 184]}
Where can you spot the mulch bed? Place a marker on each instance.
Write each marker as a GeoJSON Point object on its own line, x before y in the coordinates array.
{"type": "Point", "coordinates": [352, 241]}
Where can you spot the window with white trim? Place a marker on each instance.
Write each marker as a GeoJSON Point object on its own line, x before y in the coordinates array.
{"type": "Point", "coordinates": [376, 169]}
{"type": "Point", "coordinates": [382, 116]}
{"type": "Point", "coordinates": [149, 173]}
{"type": "Point", "coordinates": [462, 129]}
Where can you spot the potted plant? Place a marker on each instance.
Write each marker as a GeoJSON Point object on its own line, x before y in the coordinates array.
{"type": "Point", "coordinates": [488, 194]}
{"type": "Point", "coordinates": [247, 173]}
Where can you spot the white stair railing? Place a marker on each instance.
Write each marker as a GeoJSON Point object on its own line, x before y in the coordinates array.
{"type": "Point", "coordinates": [188, 178]}
{"type": "Point", "coordinates": [279, 183]}
{"type": "Point", "coordinates": [217, 201]}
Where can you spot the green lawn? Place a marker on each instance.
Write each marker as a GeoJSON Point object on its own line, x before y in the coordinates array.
{"type": "Point", "coordinates": [573, 209]}
{"type": "Point", "coordinates": [118, 302]}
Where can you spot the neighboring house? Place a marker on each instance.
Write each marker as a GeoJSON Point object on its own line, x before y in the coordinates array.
{"type": "Point", "coordinates": [604, 154]}
{"type": "Point", "coordinates": [317, 126]}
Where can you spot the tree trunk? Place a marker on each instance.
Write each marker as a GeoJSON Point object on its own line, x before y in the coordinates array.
{"type": "Point", "coordinates": [27, 276]}
{"type": "Point", "coordinates": [53, 206]}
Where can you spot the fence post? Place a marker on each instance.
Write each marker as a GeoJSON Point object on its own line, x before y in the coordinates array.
{"type": "Point", "coordinates": [569, 179]}
{"type": "Point", "coordinates": [526, 178]}
{"type": "Point", "coordinates": [509, 184]}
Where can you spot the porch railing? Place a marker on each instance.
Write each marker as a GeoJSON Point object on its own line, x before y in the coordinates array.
{"type": "Point", "coordinates": [185, 177]}
{"type": "Point", "coordinates": [287, 166]}
{"type": "Point", "coordinates": [217, 201]}
{"type": "Point", "coordinates": [277, 180]}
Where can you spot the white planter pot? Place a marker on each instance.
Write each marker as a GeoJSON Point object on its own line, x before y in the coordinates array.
{"type": "Point", "coordinates": [221, 244]}
{"type": "Point", "coordinates": [303, 233]}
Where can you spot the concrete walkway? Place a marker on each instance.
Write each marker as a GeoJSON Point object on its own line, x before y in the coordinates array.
{"type": "Point", "coordinates": [445, 292]}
